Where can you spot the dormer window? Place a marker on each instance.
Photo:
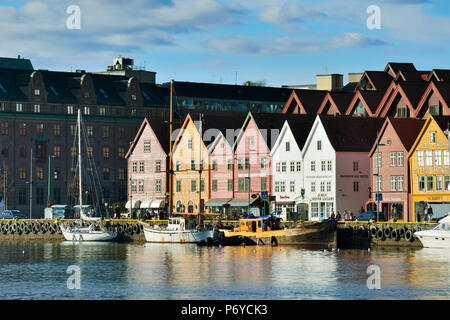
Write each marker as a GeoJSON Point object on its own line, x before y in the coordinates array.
{"type": "Point", "coordinates": [433, 137]}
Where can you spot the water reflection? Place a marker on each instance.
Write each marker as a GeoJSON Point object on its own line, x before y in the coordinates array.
{"type": "Point", "coordinates": [173, 271]}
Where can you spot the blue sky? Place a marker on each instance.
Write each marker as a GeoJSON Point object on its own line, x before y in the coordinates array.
{"type": "Point", "coordinates": [221, 41]}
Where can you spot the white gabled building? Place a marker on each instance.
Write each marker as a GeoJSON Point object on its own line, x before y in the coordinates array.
{"type": "Point", "coordinates": [336, 164]}
{"type": "Point", "coordinates": [287, 166]}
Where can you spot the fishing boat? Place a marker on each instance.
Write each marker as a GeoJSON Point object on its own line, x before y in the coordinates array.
{"type": "Point", "coordinates": [176, 232]}
{"type": "Point", "coordinates": [266, 229]}
{"type": "Point", "coordinates": [78, 232]}
{"type": "Point", "coordinates": [437, 237]}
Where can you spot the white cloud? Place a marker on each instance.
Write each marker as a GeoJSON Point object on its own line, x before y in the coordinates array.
{"type": "Point", "coordinates": [285, 12]}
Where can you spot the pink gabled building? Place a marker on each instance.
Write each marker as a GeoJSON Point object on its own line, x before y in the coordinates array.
{"type": "Point", "coordinates": [389, 170]}
{"type": "Point", "coordinates": [252, 159]}
{"type": "Point", "coordinates": [148, 167]}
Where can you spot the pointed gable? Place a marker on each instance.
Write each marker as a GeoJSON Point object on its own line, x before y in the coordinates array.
{"type": "Point", "coordinates": [441, 91]}
{"type": "Point", "coordinates": [335, 103]}
{"type": "Point", "coordinates": [304, 101]}
{"type": "Point", "coordinates": [392, 68]}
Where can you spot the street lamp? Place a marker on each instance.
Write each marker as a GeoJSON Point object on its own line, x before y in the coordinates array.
{"type": "Point", "coordinates": [378, 175]}
{"type": "Point", "coordinates": [249, 188]}
{"type": "Point", "coordinates": [49, 180]}
{"type": "Point", "coordinates": [31, 179]}
{"type": "Point", "coordinates": [131, 186]}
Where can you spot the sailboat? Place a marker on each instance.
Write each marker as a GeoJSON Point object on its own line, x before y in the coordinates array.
{"type": "Point", "coordinates": [176, 230]}
{"type": "Point", "coordinates": [92, 232]}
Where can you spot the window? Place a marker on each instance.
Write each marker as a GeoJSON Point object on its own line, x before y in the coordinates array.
{"type": "Point", "coordinates": [278, 167]}
{"type": "Point", "coordinates": [178, 186]}
{"type": "Point", "coordinates": [105, 173]}
{"type": "Point", "coordinates": [37, 92]}
{"type": "Point", "coordinates": [202, 185]}
{"type": "Point", "coordinates": [328, 186]}
{"type": "Point", "coordinates": [133, 97]}
{"type": "Point", "coordinates": [69, 109]}
{"type": "Point", "coordinates": [438, 183]}
{"type": "Point", "coordinates": [437, 158]}
{"type": "Point", "coordinates": [263, 184]}
{"type": "Point", "coordinates": [242, 184]}
{"type": "Point", "coordinates": [446, 158]}
{"type": "Point", "coordinates": [105, 132]}
{"type": "Point", "coordinates": [400, 183]}
{"type": "Point", "coordinates": [158, 185]}
{"type": "Point", "coordinates": [393, 183]}
{"type": "Point", "coordinates": [420, 159]}
{"type": "Point", "coordinates": [314, 209]}
{"type": "Point", "coordinates": [283, 166]}
{"type": "Point", "coordinates": [282, 186]}
{"type": "Point", "coordinates": [5, 128]}
{"type": "Point", "coordinates": [429, 158]}
{"type": "Point", "coordinates": [133, 186]}
{"type": "Point", "coordinates": [251, 140]}
{"type": "Point", "coordinates": [277, 186]}
{"type": "Point", "coordinates": [102, 111]}
{"type": "Point", "coordinates": [434, 110]}
{"type": "Point", "coordinates": [193, 165]}
{"type": "Point", "coordinates": [141, 186]}
{"type": "Point", "coordinates": [263, 163]}
{"type": "Point", "coordinates": [430, 186]}
{"type": "Point", "coordinates": [141, 166]}
{"type": "Point", "coordinates": [299, 166]}
{"type": "Point", "coordinates": [214, 165]}
{"type": "Point", "coordinates": [158, 166]}
{"type": "Point", "coordinates": [214, 185]}
{"type": "Point", "coordinates": [355, 186]}
{"type": "Point", "coordinates": [230, 184]}
{"type": "Point", "coordinates": [40, 129]}
{"type": "Point", "coordinates": [121, 152]}
{"type": "Point", "coordinates": [393, 156]}
{"type": "Point", "coordinates": [379, 183]}
{"type": "Point", "coordinates": [5, 150]}
{"type": "Point", "coordinates": [87, 111]}
{"type": "Point", "coordinates": [134, 166]}
{"type": "Point", "coordinates": [56, 130]}
{"type": "Point", "coordinates": [147, 146]}
{"type": "Point", "coordinates": [402, 112]}
{"type": "Point", "coordinates": [247, 163]}
{"type": "Point", "coordinates": [22, 173]}
{"type": "Point", "coordinates": [106, 152]}
{"type": "Point", "coordinates": [230, 164]}
{"type": "Point", "coordinates": [57, 150]}
{"type": "Point", "coordinates": [190, 144]}
{"type": "Point", "coordinates": [73, 130]}
{"type": "Point", "coordinates": [400, 159]}
{"type": "Point", "coordinates": [19, 107]}
{"type": "Point", "coordinates": [378, 160]}
{"type": "Point", "coordinates": [288, 146]}
{"type": "Point", "coordinates": [121, 174]}
{"type": "Point", "coordinates": [292, 166]}
{"type": "Point", "coordinates": [23, 129]}
{"type": "Point", "coordinates": [313, 166]}
{"type": "Point", "coordinates": [329, 165]}
{"type": "Point", "coordinates": [193, 185]}
{"type": "Point", "coordinates": [90, 151]}
{"type": "Point", "coordinates": [292, 186]}
{"type": "Point", "coordinates": [323, 165]}
{"type": "Point", "coordinates": [133, 112]}
{"type": "Point", "coordinates": [319, 145]}
{"type": "Point", "coordinates": [121, 132]}
{"type": "Point", "coordinates": [446, 182]}
{"type": "Point", "coordinates": [433, 137]}
{"type": "Point", "coordinates": [322, 186]}
{"type": "Point", "coordinates": [73, 151]}
{"type": "Point", "coordinates": [37, 108]}
{"type": "Point", "coordinates": [178, 165]}
{"type": "Point", "coordinates": [202, 165]}
{"type": "Point", "coordinates": [40, 173]}
{"type": "Point", "coordinates": [313, 186]}
{"type": "Point", "coordinates": [355, 166]}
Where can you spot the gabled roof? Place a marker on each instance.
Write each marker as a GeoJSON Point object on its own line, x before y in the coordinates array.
{"type": "Point", "coordinates": [394, 67]}
{"type": "Point", "coordinates": [160, 128]}
{"type": "Point", "coordinates": [412, 76]}
{"type": "Point", "coordinates": [439, 75]}
{"type": "Point", "coordinates": [18, 64]}
{"type": "Point", "coordinates": [300, 127]}
{"type": "Point", "coordinates": [10, 82]}
{"type": "Point", "coordinates": [308, 101]}
{"type": "Point", "coordinates": [338, 100]}
{"type": "Point", "coordinates": [57, 86]}
{"type": "Point", "coordinates": [410, 92]}
{"type": "Point", "coordinates": [442, 91]}
{"type": "Point", "coordinates": [351, 134]}
{"type": "Point", "coordinates": [378, 80]}
{"type": "Point", "coordinates": [370, 100]}
{"type": "Point", "coordinates": [442, 121]}
{"type": "Point", "coordinates": [407, 130]}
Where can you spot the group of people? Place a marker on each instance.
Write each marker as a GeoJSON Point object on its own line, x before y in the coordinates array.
{"type": "Point", "coordinates": [346, 216]}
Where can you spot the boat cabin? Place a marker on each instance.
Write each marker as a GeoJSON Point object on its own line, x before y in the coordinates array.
{"type": "Point", "coordinates": [259, 224]}
{"type": "Point", "coordinates": [176, 224]}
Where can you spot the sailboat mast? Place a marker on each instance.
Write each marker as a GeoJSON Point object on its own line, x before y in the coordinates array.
{"type": "Point", "coordinates": [79, 160]}
{"type": "Point", "coordinates": [170, 150]}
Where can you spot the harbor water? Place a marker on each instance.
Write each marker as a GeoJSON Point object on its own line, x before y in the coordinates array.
{"type": "Point", "coordinates": [45, 270]}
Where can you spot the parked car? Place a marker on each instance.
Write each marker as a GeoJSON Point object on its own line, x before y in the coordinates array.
{"type": "Point", "coordinates": [370, 215]}
{"type": "Point", "coordinates": [13, 214]}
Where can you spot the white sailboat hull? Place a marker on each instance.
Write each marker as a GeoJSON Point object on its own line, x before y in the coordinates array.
{"type": "Point", "coordinates": [176, 236]}
{"type": "Point", "coordinates": [85, 234]}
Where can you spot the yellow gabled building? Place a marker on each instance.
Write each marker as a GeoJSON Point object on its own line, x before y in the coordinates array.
{"type": "Point", "coordinates": [429, 165]}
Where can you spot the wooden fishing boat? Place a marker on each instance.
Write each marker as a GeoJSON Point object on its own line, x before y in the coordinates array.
{"type": "Point", "coordinates": [267, 230]}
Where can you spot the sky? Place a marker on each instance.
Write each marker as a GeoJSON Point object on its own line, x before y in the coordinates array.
{"type": "Point", "coordinates": [281, 42]}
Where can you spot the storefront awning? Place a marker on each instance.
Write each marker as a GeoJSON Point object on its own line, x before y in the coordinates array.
{"type": "Point", "coordinates": [136, 204]}
{"type": "Point", "coordinates": [284, 202]}
{"type": "Point", "coordinates": [216, 202]}
{"type": "Point", "coordinates": [243, 202]}
{"type": "Point", "coordinates": [158, 204]}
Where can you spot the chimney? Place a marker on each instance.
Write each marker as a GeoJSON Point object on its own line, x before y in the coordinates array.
{"type": "Point", "coordinates": [329, 81]}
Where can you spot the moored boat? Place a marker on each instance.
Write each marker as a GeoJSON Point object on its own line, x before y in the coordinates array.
{"type": "Point", "coordinates": [267, 230]}
{"type": "Point", "coordinates": [176, 232]}
{"type": "Point", "coordinates": [437, 237]}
